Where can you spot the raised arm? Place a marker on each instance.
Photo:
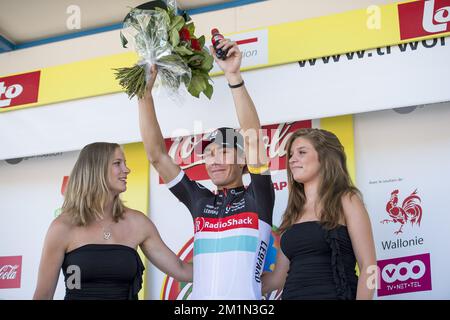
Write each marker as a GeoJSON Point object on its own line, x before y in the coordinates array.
{"type": "Point", "coordinates": [51, 260]}
{"type": "Point", "coordinates": [255, 152]}
{"type": "Point", "coordinates": [152, 137]}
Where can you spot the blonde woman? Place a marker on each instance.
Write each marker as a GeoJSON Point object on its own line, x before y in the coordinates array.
{"type": "Point", "coordinates": [95, 238]}
{"type": "Point", "coordinates": [325, 229]}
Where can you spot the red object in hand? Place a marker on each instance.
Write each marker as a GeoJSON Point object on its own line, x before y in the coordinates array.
{"type": "Point", "coordinates": [216, 37]}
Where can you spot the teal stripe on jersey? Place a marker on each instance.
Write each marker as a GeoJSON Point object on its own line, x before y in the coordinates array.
{"type": "Point", "coordinates": [236, 243]}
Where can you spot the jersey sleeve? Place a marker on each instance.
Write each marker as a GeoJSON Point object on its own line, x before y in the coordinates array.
{"type": "Point", "coordinates": [261, 189]}
{"type": "Point", "coordinates": [187, 191]}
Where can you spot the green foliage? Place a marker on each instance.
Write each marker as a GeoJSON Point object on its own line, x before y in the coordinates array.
{"type": "Point", "coordinates": [187, 51]}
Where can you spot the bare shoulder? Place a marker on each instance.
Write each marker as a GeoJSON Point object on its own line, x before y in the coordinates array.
{"type": "Point", "coordinates": [353, 206]}
{"type": "Point", "coordinates": [141, 224]}
{"type": "Point", "coordinates": [138, 219]}
{"type": "Point", "coordinates": [61, 223]}
{"type": "Point", "coordinates": [59, 231]}
{"type": "Point", "coordinates": [352, 199]}
{"type": "Point", "coordinates": [135, 216]}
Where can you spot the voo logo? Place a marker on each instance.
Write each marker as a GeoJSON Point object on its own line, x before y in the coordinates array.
{"type": "Point", "coordinates": [403, 271]}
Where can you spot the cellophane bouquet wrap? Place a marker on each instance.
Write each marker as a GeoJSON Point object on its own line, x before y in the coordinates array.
{"type": "Point", "coordinates": [162, 38]}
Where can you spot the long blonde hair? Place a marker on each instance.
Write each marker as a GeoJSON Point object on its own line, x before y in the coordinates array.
{"type": "Point", "coordinates": [87, 191]}
{"type": "Point", "coordinates": [335, 181]}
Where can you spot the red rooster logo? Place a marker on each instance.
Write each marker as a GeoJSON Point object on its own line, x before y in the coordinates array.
{"type": "Point", "coordinates": [409, 211]}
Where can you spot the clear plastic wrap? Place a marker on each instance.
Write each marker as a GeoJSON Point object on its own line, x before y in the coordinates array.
{"type": "Point", "coordinates": [147, 31]}
{"type": "Point", "coordinates": [161, 37]}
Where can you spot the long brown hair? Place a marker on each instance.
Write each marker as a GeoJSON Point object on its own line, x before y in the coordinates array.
{"type": "Point", "coordinates": [335, 182]}
{"type": "Point", "coordinates": [87, 191]}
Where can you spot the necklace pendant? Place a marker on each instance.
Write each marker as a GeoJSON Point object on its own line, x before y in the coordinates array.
{"type": "Point", "coordinates": [106, 235]}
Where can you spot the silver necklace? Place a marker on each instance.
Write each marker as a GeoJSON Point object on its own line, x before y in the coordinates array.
{"type": "Point", "coordinates": [107, 234]}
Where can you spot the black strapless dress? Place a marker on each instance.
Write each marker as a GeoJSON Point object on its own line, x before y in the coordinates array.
{"type": "Point", "coordinates": [322, 263]}
{"type": "Point", "coordinates": [107, 272]}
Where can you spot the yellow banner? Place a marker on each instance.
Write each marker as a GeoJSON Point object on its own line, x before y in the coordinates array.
{"type": "Point", "coordinates": [376, 26]}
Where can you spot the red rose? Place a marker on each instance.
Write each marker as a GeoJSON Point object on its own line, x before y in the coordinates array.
{"type": "Point", "coordinates": [195, 44]}
{"type": "Point", "coordinates": [185, 35]}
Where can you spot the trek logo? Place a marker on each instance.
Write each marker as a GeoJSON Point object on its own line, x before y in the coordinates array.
{"type": "Point", "coordinates": [235, 206]}
{"type": "Point", "coordinates": [242, 220]}
{"type": "Point", "coordinates": [406, 274]}
{"type": "Point", "coordinates": [422, 18]}
{"type": "Point", "coordinates": [20, 89]}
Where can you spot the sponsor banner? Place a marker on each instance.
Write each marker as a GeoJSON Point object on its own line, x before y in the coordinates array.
{"type": "Point", "coordinates": [404, 274]}
{"type": "Point", "coordinates": [81, 79]}
{"type": "Point", "coordinates": [423, 18]}
{"type": "Point", "coordinates": [19, 90]}
{"type": "Point", "coordinates": [374, 27]}
{"type": "Point", "coordinates": [10, 272]}
{"type": "Point", "coordinates": [407, 206]}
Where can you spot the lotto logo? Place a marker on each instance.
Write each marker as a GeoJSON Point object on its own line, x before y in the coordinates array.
{"type": "Point", "coordinates": [422, 18]}
{"type": "Point", "coordinates": [406, 274]}
{"type": "Point", "coordinates": [19, 90]}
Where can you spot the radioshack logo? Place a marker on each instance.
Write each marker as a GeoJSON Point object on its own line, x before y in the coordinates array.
{"type": "Point", "coordinates": [242, 220]}
{"type": "Point", "coordinates": [422, 18]}
{"type": "Point", "coordinates": [10, 272]}
{"type": "Point", "coordinates": [405, 274]}
{"type": "Point", "coordinates": [172, 289]}
{"type": "Point", "coordinates": [20, 89]}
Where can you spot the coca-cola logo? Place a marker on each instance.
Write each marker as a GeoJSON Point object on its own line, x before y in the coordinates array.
{"type": "Point", "coordinates": [422, 18]}
{"type": "Point", "coordinates": [19, 89]}
{"type": "Point", "coordinates": [185, 150]}
{"type": "Point", "coordinates": [10, 272]}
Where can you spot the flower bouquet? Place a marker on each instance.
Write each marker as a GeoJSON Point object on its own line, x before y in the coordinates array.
{"type": "Point", "coordinates": [163, 38]}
